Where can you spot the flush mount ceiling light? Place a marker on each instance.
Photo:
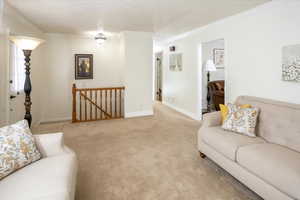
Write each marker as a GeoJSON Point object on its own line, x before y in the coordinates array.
{"type": "Point", "coordinates": [100, 38]}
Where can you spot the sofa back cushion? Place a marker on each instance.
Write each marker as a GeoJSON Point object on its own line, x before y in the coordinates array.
{"type": "Point", "coordinates": [278, 122]}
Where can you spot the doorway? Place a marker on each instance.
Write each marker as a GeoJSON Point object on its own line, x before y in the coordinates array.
{"type": "Point", "coordinates": [3, 79]}
{"type": "Point", "coordinates": [213, 75]}
{"type": "Point", "coordinates": [158, 76]}
{"type": "Point", "coordinates": [16, 73]}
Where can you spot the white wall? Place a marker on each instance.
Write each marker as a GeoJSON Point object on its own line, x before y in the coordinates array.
{"type": "Point", "coordinates": [253, 43]}
{"type": "Point", "coordinates": [208, 54]}
{"type": "Point", "coordinates": [138, 73]}
{"type": "Point", "coordinates": [120, 61]}
{"type": "Point", "coordinates": [182, 89]}
{"type": "Point", "coordinates": [123, 60]}
{"type": "Point", "coordinates": [15, 23]}
{"type": "Point", "coordinates": [60, 51]}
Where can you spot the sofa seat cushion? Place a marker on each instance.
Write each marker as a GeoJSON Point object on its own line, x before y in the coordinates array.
{"type": "Point", "coordinates": [227, 142]}
{"type": "Point", "coordinates": [49, 178]}
{"type": "Point", "coordinates": [275, 164]}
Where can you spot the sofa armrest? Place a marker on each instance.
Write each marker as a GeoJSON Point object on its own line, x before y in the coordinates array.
{"type": "Point", "coordinates": [50, 144]}
{"type": "Point", "coordinates": [209, 120]}
{"type": "Point", "coordinates": [212, 119]}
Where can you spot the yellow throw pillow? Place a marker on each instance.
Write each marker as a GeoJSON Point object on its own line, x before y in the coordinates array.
{"type": "Point", "coordinates": [224, 110]}
{"type": "Point", "coordinates": [241, 120]}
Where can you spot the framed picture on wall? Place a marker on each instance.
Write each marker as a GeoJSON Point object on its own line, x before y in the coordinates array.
{"type": "Point", "coordinates": [219, 58]}
{"type": "Point", "coordinates": [291, 63]}
{"type": "Point", "coordinates": [175, 62]}
{"type": "Point", "coordinates": [83, 66]}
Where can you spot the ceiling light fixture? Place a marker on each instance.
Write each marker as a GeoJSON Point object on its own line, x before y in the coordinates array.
{"type": "Point", "coordinates": [100, 38]}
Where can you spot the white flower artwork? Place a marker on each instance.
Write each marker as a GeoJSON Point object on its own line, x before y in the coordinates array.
{"type": "Point", "coordinates": [291, 63]}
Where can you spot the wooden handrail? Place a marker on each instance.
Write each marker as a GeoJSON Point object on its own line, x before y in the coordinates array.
{"type": "Point", "coordinates": [93, 89]}
{"type": "Point", "coordinates": [109, 105]}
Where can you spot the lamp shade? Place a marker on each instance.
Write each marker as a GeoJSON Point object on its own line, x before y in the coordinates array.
{"type": "Point", "coordinates": [26, 43]}
{"type": "Point", "coordinates": [210, 66]}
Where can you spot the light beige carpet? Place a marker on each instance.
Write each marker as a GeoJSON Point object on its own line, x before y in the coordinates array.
{"type": "Point", "coordinates": [148, 158]}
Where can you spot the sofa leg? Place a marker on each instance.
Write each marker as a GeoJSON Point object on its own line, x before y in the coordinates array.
{"type": "Point", "coordinates": [202, 155]}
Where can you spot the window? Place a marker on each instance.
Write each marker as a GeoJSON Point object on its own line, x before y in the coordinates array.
{"type": "Point", "coordinates": [17, 68]}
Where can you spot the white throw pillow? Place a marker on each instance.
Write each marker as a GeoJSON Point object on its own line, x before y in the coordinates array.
{"type": "Point", "coordinates": [241, 120]}
{"type": "Point", "coordinates": [17, 148]}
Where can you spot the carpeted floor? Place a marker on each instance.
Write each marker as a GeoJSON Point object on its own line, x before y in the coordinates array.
{"type": "Point", "coordinates": [148, 158]}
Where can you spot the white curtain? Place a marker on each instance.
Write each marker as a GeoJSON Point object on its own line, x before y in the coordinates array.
{"type": "Point", "coordinates": [17, 68]}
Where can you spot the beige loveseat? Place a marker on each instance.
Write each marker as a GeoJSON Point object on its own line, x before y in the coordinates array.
{"type": "Point", "coordinates": [51, 178]}
{"type": "Point", "coordinates": [268, 164]}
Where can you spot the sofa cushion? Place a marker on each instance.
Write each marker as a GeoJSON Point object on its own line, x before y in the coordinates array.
{"type": "Point", "coordinates": [275, 164]}
{"type": "Point", "coordinates": [50, 144]}
{"type": "Point", "coordinates": [224, 110]}
{"type": "Point", "coordinates": [17, 148]}
{"type": "Point", "coordinates": [278, 122]}
{"type": "Point", "coordinates": [241, 120]}
{"type": "Point", "coordinates": [226, 142]}
{"type": "Point", "coordinates": [49, 178]}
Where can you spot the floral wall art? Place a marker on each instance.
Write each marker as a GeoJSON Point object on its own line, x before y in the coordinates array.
{"type": "Point", "coordinates": [291, 63]}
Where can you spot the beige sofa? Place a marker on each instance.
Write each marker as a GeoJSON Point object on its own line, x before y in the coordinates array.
{"type": "Point", "coordinates": [51, 178]}
{"type": "Point", "coordinates": [268, 164]}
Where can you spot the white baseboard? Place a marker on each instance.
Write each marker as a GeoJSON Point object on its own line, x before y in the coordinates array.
{"type": "Point", "coordinates": [189, 114]}
{"type": "Point", "coordinates": [56, 120]}
{"type": "Point", "coordinates": [139, 114]}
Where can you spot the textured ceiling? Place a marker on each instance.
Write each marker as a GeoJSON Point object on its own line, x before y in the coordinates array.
{"type": "Point", "coordinates": [163, 17]}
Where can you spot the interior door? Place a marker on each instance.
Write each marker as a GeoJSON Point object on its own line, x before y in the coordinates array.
{"type": "Point", "coordinates": [3, 80]}
{"type": "Point", "coordinates": [16, 107]}
{"type": "Point", "coordinates": [158, 77]}
{"type": "Point", "coordinates": [16, 96]}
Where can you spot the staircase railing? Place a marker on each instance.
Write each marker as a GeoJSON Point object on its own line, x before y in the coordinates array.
{"type": "Point", "coordinates": [93, 104]}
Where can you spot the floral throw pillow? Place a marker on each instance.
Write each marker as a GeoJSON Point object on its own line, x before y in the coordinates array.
{"type": "Point", "coordinates": [241, 120]}
{"type": "Point", "coordinates": [17, 148]}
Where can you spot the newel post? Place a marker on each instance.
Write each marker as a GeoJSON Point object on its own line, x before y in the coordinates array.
{"type": "Point", "coordinates": [74, 104]}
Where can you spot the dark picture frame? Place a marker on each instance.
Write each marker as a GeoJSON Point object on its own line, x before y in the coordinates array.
{"type": "Point", "coordinates": [84, 66]}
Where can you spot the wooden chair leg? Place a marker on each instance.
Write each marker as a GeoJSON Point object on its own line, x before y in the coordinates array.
{"type": "Point", "coordinates": [202, 155]}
